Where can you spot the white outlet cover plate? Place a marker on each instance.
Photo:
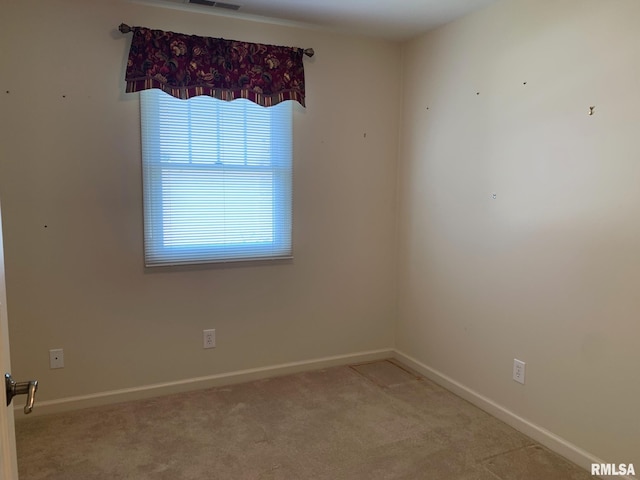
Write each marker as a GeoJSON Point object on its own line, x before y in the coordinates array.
{"type": "Point", "coordinates": [209, 338]}
{"type": "Point", "coordinates": [518, 370]}
{"type": "Point", "coordinates": [56, 358]}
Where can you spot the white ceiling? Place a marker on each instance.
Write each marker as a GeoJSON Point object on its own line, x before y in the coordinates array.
{"type": "Point", "coordinates": [390, 19]}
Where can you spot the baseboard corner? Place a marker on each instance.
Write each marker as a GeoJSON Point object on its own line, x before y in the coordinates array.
{"type": "Point", "coordinates": [538, 433]}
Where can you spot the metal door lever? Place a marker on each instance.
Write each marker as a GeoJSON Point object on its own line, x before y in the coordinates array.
{"type": "Point", "coordinates": [21, 388]}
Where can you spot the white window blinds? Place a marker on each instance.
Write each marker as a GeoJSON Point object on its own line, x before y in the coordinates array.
{"type": "Point", "coordinates": [217, 179]}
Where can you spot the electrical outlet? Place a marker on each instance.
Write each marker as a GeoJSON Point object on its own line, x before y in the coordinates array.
{"type": "Point", "coordinates": [209, 338]}
{"type": "Point", "coordinates": [56, 358]}
{"type": "Point", "coordinates": [518, 370]}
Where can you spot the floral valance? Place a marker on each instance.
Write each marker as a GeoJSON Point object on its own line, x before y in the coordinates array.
{"type": "Point", "coordinates": [185, 66]}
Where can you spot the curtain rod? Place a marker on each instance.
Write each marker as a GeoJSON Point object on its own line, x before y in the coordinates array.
{"type": "Point", "coordinates": [124, 28]}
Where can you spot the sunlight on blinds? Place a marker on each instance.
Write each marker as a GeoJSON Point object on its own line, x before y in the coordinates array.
{"type": "Point", "coordinates": [217, 179]}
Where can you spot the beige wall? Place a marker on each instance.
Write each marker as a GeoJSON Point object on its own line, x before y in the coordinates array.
{"type": "Point", "coordinates": [70, 160]}
{"type": "Point", "coordinates": [549, 271]}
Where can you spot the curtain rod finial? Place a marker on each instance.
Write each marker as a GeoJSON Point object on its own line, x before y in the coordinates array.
{"type": "Point", "coordinates": [124, 28]}
{"type": "Point", "coordinates": [309, 52]}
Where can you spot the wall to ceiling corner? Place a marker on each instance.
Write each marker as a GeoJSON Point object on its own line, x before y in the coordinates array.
{"type": "Point", "coordinates": [548, 271]}
{"type": "Point", "coordinates": [70, 182]}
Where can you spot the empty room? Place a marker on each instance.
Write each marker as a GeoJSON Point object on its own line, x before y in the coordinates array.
{"type": "Point", "coordinates": [320, 240]}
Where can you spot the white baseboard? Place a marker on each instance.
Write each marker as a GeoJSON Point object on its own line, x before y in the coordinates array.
{"type": "Point", "coordinates": [545, 437]}
{"type": "Point", "coordinates": [168, 388]}
{"type": "Point", "coordinates": [550, 440]}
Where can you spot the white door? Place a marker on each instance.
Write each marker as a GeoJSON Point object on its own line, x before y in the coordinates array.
{"type": "Point", "coordinates": [8, 461]}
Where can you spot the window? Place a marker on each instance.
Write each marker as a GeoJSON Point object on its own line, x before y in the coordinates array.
{"type": "Point", "coordinates": [217, 179]}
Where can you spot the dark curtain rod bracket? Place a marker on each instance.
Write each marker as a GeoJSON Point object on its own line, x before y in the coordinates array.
{"type": "Point", "coordinates": [124, 28]}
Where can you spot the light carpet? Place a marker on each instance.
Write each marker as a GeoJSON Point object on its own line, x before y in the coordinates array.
{"type": "Point", "coordinates": [378, 420]}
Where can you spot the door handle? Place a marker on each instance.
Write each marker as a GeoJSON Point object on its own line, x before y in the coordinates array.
{"type": "Point", "coordinates": [21, 388]}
